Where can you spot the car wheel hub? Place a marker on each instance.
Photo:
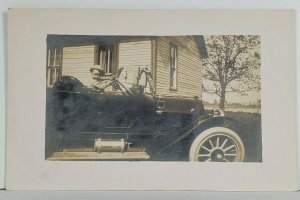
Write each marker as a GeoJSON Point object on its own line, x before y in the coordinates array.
{"type": "Point", "coordinates": [217, 155]}
{"type": "Point", "coordinates": [218, 148]}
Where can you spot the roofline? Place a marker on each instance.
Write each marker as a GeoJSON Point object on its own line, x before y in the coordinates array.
{"type": "Point", "coordinates": [58, 41]}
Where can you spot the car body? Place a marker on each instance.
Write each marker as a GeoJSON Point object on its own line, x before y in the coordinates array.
{"type": "Point", "coordinates": [135, 123]}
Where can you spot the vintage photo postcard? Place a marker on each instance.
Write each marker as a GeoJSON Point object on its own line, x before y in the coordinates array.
{"type": "Point", "coordinates": [182, 98]}
{"type": "Point", "coordinates": [151, 100]}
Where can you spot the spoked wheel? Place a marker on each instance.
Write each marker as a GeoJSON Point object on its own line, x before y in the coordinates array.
{"type": "Point", "coordinates": [217, 144]}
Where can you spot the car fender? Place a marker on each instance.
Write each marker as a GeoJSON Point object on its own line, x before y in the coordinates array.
{"type": "Point", "coordinates": [199, 125]}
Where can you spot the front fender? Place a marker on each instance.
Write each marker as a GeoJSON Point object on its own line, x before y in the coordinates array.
{"type": "Point", "coordinates": [200, 125]}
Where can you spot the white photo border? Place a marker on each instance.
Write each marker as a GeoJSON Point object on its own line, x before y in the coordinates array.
{"type": "Point", "coordinates": [26, 166]}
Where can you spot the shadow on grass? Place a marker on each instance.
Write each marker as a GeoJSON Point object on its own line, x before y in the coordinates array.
{"type": "Point", "coordinates": [250, 133]}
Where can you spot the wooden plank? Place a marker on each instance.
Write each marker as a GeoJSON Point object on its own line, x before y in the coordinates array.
{"type": "Point", "coordinates": [184, 60]}
{"type": "Point", "coordinates": [143, 54]}
{"type": "Point", "coordinates": [189, 66]}
{"type": "Point", "coordinates": [186, 44]}
{"type": "Point", "coordinates": [98, 156]}
{"type": "Point", "coordinates": [182, 77]}
{"type": "Point", "coordinates": [143, 47]}
{"type": "Point", "coordinates": [135, 53]}
{"type": "Point", "coordinates": [189, 61]}
{"type": "Point", "coordinates": [135, 60]}
{"type": "Point", "coordinates": [183, 74]}
{"type": "Point", "coordinates": [140, 51]}
{"type": "Point", "coordinates": [78, 150]}
{"type": "Point", "coordinates": [184, 41]}
{"type": "Point", "coordinates": [77, 61]}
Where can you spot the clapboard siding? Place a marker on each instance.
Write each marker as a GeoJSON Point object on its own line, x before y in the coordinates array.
{"type": "Point", "coordinates": [77, 62]}
{"type": "Point", "coordinates": [188, 66]}
{"type": "Point", "coordinates": [135, 53]}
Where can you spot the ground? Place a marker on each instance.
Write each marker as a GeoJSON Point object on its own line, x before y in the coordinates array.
{"type": "Point", "coordinates": [250, 134]}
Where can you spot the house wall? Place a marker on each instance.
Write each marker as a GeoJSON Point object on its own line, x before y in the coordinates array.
{"type": "Point", "coordinates": [133, 54]}
{"type": "Point", "coordinates": [189, 79]}
{"type": "Point", "coordinates": [77, 62]}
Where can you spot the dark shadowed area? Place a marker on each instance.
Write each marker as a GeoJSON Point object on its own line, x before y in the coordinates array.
{"type": "Point", "coordinates": [250, 127]}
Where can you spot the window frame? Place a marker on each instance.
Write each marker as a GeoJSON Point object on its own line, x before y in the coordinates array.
{"type": "Point", "coordinates": [173, 86]}
{"type": "Point", "coordinates": [54, 66]}
{"type": "Point", "coordinates": [110, 56]}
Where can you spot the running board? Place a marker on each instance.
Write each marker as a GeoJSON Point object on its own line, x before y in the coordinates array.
{"type": "Point", "coordinates": [99, 156]}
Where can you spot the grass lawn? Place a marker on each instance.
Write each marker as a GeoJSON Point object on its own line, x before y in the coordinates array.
{"type": "Point", "coordinates": [250, 127]}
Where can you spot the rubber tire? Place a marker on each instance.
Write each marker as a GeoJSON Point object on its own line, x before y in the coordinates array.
{"type": "Point", "coordinates": [201, 138]}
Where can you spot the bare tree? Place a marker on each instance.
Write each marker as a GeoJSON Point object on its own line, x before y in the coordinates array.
{"type": "Point", "coordinates": [232, 65]}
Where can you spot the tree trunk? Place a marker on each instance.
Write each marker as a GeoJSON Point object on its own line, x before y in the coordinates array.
{"type": "Point", "coordinates": [222, 99]}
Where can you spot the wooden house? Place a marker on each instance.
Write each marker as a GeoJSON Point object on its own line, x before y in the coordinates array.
{"type": "Point", "coordinates": [175, 61]}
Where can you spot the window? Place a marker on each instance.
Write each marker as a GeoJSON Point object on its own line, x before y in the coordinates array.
{"type": "Point", "coordinates": [105, 58]}
{"type": "Point", "coordinates": [173, 67]}
{"type": "Point", "coordinates": [53, 66]}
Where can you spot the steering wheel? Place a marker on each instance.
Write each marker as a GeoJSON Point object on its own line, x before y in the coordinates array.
{"type": "Point", "coordinates": [122, 87]}
{"type": "Point", "coordinates": [117, 75]}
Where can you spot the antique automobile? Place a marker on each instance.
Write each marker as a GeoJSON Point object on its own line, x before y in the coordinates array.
{"type": "Point", "coordinates": [133, 122]}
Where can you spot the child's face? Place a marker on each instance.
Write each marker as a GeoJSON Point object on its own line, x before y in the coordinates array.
{"type": "Point", "coordinates": [95, 75]}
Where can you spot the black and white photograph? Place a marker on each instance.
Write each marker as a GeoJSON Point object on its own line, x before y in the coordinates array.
{"type": "Point", "coordinates": [153, 98]}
